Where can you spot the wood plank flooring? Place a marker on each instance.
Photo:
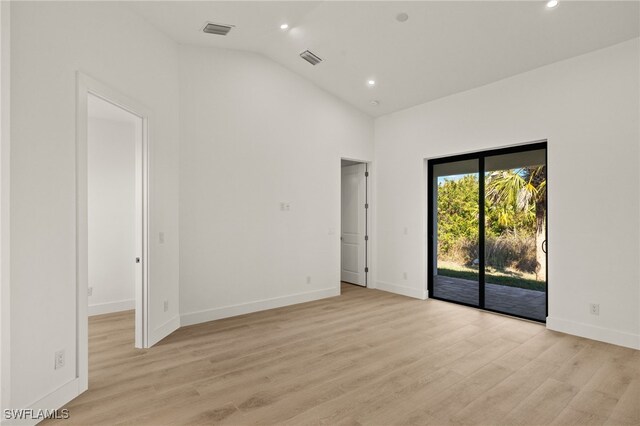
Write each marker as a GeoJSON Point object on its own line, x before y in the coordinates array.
{"type": "Point", "coordinates": [364, 358]}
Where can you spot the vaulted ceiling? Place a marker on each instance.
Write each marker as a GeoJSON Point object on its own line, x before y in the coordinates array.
{"type": "Point", "coordinates": [442, 48]}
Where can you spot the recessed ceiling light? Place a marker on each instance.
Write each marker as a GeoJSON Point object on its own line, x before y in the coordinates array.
{"type": "Point", "coordinates": [402, 17]}
{"type": "Point", "coordinates": [371, 83]}
{"type": "Point", "coordinates": [284, 26]}
{"type": "Point", "coordinates": [552, 3]}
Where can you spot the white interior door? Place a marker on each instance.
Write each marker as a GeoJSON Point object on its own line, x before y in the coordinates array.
{"type": "Point", "coordinates": [353, 225]}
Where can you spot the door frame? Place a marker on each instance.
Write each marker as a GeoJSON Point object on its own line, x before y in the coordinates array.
{"type": "Point", "coordinates": [86, 85]}
{"type": "Point", "coordinates": [368, 226]}
{"type": "Point", "coordinates": [480, 156]}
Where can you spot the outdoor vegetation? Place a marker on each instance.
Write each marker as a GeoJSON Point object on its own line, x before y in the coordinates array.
{"type": "Point", "coordinates": [515, 227]}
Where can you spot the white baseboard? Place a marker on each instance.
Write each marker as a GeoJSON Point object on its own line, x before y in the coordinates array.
{"type": "Point", "coordinates": [259, 305]}
{"type": "Point", "coordinates": [593, 332]}
{"type": "Point", "coordinates": [403, 290]}
{"type": "Point", "coordinates": [164, 330]}
{"type": "Point", "coordinates": [110, 307]}
{"type": "Point", "coordinates": [53, 401]}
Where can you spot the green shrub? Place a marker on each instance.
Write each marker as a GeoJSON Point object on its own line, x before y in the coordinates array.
{"type": "Point", "coordinates": [510, 232]}
{"type": "Point", "coordinates": [457, 212]}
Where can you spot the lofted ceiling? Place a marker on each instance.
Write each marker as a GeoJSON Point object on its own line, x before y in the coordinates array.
{"type": "Point", "coordinates": [442, 48]}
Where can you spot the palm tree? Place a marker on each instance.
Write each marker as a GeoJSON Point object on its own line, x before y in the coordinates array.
{"type": "Point", "coordinates": [524, 190]}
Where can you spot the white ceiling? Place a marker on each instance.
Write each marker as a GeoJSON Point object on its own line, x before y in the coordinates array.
{"type": "Point", "coordinates": [443, 48]}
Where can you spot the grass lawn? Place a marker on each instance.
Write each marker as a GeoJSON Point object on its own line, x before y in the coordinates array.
{"type": "Point", "coordinates": [449, 269]}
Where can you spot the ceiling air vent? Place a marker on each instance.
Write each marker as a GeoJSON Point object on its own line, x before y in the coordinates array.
{"type": "Point", "coordinates": [310, 57]}
{"type": "Point", "coordinates": [218, 29]}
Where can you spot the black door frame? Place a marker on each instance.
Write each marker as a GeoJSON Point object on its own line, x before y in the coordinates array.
{"type": "Point", "coordinates": [431, 210]}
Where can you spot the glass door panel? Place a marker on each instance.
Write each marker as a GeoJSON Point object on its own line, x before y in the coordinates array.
{"type": "Point", "coordinates": [515, 208]}
{"type": "Point", "coordinates": [454, 232]}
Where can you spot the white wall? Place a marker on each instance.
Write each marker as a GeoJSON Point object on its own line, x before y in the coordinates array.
{"type": "Point", "coordinates": [50, 41]}
{"type": "Point", "coordinates": [111, 208]}
{"type": "Point", "coordinates": [588, 110]}
{"type": "Point", "coordinates": [255, 135]}
{"type": "Point", "coordinates": [5, 296]}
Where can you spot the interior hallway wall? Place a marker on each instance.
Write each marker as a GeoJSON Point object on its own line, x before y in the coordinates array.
{"type": "Point", "coordinates": [111, 222]}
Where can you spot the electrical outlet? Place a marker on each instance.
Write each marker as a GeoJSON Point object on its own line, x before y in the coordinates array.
{"type": "Point", "coordinates": [59, 360]}
{"type": "Point", "coordinates": [308, 280]}
{"type": "Point", "coordinates": [594, 309]}
{"type": "Point", "coordinates": [166, 305]}
{"type": "Point", "coordinates": [404, 275]}
{"type": "Point", "coordinates": [90, 291]}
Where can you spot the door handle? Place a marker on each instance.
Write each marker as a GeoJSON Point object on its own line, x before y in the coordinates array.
{"type": "Point", "coordinates": [544, 246]}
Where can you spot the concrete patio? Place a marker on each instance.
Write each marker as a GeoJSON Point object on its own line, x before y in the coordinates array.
{"type": "Point", "coordinates": [510, 300]}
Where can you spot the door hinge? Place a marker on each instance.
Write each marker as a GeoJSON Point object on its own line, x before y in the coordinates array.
{"type": "Point", "coordinates": [366, 174]}
{"type": "Point", "coordinates": [366, 269]}
{"type": "Point", "coordinates": [366, 206]}
{"type": "Point", "coordinates": [366, 238]}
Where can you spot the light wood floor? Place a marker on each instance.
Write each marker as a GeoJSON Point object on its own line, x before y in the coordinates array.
{"type": "Point", "coordinates": [366, 357]}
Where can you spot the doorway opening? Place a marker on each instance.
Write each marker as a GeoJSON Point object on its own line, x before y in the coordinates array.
{"type": "Point", "coordinates": [112, 220]}
{"type": "Point", "coordinates": [113, 135]}
{"type": "Point", "coordinates": [354, 217]}
{"type": "Point", "coordinates": [487, 222]}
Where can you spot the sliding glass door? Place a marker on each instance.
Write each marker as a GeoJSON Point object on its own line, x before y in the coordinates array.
{"type": "Point", "coordinates": [487, 230]}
